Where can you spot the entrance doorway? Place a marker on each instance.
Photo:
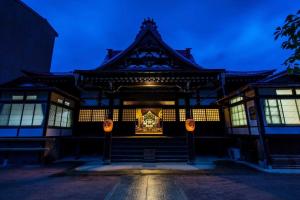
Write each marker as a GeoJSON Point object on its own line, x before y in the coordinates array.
{"type": "Point", "coordinates": [149, 121]}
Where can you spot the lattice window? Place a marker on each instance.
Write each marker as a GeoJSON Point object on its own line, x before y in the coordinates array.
{"type": "Point", "coordinates": [236, 99]}
{"type": "Point", "coordinates": [238, 115]}
{"type": "Point", "coordinates": [212, 115]}
{"type": "Point", "coordinates": [99, 115]}
{"type": "Point", "coordinates": [85, 115]}
{"type": "Point", "coordinates": [129, 115]}
{"type": "Point", "coordinates": [199, 115]}
{"type": "Point", "coordinates": [116, 115]}
{"type": "Point", "coordinates": [169, 115]}
{"type": "Point", "coordinates": [282, 111]}
{"type": "Point", "coordinates": [182, 115]}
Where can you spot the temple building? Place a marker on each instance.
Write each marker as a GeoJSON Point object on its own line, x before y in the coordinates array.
{"type": "Point", "coordinates": [149, 90]}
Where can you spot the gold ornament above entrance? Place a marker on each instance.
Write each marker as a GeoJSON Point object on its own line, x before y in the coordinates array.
{"type": "Point", "coordinates": [149, 103]}
{"type": "Point", "coordinates": [149, 121]}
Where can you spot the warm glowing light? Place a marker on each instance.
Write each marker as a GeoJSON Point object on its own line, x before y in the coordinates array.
{"type": "Point", "coordinates": [129, 115]}
{"type": "Point", "coordinates": [85, 115]}
{"type": "Point", "coordinates": [116, 115]}
{"type": "Point", "coordinates": [199, 115]}
{"type": "Point", "coordinates": [162, 103]}
{"type": "Point", "coordinates": [182, 115]}
{"type": "Point", "coordinates": [212, 115]}
{"type": "Point", "coordinates": [99, 115]}
{"type": "Point", "coordinates": [89, 115]}
{"type": "Point", "coordinates": [190, 125]}
{"type": "Point", "coordinates": [149, 121]}
{"type": "Point", "coordinates": [108, 125]}
{"type": "Point", "coordinates": [169, 115]}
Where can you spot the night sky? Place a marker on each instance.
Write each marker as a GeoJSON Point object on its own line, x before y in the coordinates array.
{"type": "Point", "coordinates": [231, 34]}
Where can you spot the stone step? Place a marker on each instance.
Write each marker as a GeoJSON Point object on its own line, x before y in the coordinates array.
{"type": "Point", "coordinates": [142, 160]}
{"type": "Point", "coordinates": [148, 149]}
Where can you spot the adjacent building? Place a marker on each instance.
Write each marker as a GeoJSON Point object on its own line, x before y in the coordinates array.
{"type": "Point", "coordinates": [149, 90]}
{"type": "Point", "coordinates": [26, 38]}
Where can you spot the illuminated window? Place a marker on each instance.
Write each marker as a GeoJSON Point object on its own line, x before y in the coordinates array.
{"type": "Point", "coordinates": [272, 111]}
{"type": "Point", "coordinates": [116, 115]}
{"type": "Point", "coordinates": [22, 114]}
{"type": "Point", "coordinates": [238, 115]}
{"type": "Point", "coordinates": [58, 116]}
{"type": "Point", "coordinates": [60, 101]}
{"type": "Point", "coordinates": [284, 92]}
{"type": "Point", "coordinates": [85, 115]}
{"type": "Point", "coordinates": [199, 115]}
{"type": "Point", "coordinates": [129, 115]}
{"type": "Point", "coordinates": [4, 114]}
{"type": "Point", "coordinates": [236, 99]}
{"type": "Point", "coordinates": [38, 117]}
{"type": "Point", "coordinates": [51, 115]}
{"type": "Point", "coordinates": [282, 111]}
{"type": "Point", "coordinates": [206, 115]}
{"type": "Point", "coordinates": [15, 115]}
{"type": "Point", "coordinates": [56, 98]}
{"type": "Point", "coordinates": [182, 115]}
{"type": "Point", "coordinates": [212, 115]}
{"type": "Point", "coordinates": [297, 91]}
{"type": "Point", "coordinates": [67, 103]}
{"type": "Point", "coordinates": [31, 97]}
{"type": "Point", "coordinates": [64, 117]}
{"type": "Point", "coordinates": [27, 115]}
{"type": "Point", "coordinates": [169, 115]}
{"type": "Point", "coordinates": [99, 115]}
{"type": "Point", "coordinates": [17, 97]}
{"type": "Point", "coordinates": [70, 118]}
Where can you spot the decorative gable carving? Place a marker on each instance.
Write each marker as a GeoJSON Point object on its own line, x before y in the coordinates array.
{"type": "Point", "coordinates": [149, 52]}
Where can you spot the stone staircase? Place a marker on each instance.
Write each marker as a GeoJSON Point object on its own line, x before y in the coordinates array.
{"type": "Point", "coordinates": [149, 149]}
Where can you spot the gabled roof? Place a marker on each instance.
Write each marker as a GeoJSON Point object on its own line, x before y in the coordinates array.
{"type": "Point", "coordinates": [149, 29]}
{"type": "Point", "coordinates": [274, 76]}
{"type": "Point", "coordinates": [249, 73]}
{"type": "Point", "coordinates": [49, 74]}
{"type": "Point", "coordinates": [37, 81]}
{"type": "Point", "coordinates": [270, 81]}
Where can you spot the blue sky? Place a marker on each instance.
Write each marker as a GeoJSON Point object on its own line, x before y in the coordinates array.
{"type": "Point", "coordinates": [231, 34]}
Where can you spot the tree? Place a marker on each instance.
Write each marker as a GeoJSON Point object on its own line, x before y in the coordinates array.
{"type": "Point", "coordinates": [290, 31]}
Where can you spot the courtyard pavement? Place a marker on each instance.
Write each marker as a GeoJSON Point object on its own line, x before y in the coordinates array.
{"type": "Point", "coordinates": [227, 181]}
{"type": "Point", "coordinates": [92, 165]}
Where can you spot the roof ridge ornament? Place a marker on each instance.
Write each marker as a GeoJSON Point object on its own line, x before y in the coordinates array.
{"type": "Point", "coordinates": [148, 25]}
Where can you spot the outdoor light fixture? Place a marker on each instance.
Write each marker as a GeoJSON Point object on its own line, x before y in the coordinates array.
{"type": "Point", "coordinates": [108, 125]}
{"type": "Point", "coordinates": [190, 125]}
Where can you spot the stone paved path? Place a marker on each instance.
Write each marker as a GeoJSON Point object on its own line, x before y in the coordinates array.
{"type": "Point", "coordinates": [225, 183]}
{"type": "Point", "coordinates": [146, 187]}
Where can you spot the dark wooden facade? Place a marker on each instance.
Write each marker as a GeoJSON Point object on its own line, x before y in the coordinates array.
{"type": "Point", "coordinates": [149, 77]}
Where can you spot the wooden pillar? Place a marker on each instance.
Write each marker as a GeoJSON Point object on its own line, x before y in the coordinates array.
{"type": "Point", "coordinates": [188, 113]}
{"type": "Point", "coordinates": [111, 106]}
{"type": "Point", "coordinates": [177, 110]}
{"type": "Point", "coordinates": [108, 136]}
{"type": "Point", "coordinates": [189, 135]}
{"type": "Point", "coordinates": [261, 128]}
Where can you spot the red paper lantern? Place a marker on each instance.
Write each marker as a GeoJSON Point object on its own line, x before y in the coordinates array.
{"type": "Point", "coordinates": [190, 125]}
{"type": "Point", "coordinates": [108, 125]}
